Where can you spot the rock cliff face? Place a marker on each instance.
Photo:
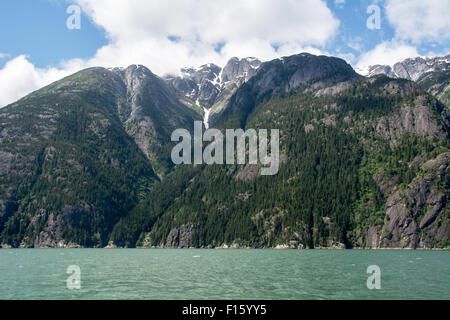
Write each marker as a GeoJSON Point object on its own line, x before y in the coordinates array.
{"type": "Point", "coordinates": [413, 213]}
{"type": "Point", "coordinates": [180, 238]}
{"type": "Point", "coordinates": [411, 69]}
{"type": "Point", "coordinates": [415, 120]}
{"type": "Point", "coordinates": [363, 163]}
{"type": "Point", "coordinates": [432, 74]}
{"type": "Point", "coordinates": [238, 71]}
{"type": "Point", "coordinates": [149, 112]}
{"type": "Point", "coordinates": [283, 76]}
{"type": "Point", "coordinates": [75, 155]}
{"type": "Point", "coordinates": [201, 85]}
{"type": "Point", "coordinates": [209, 84]}
{"type": "Point", "coordinates": [418, 215]}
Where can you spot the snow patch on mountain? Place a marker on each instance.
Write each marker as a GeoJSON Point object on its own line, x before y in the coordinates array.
{"type": "Point", "coordinates": [410, 69]}
{"type": "Point", "coordinates": [207, 84]}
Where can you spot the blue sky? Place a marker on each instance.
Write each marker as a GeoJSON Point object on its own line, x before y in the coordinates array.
{"type": "Point", "coordinates": [36, 45]}
{"type": "Point", "coordinates": [37, 28]}
{"type": "Point", "coordinates": [353, 29]}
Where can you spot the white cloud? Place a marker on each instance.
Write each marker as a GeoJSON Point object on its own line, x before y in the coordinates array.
{"type": "Point", "coordinates": [415, 22]}
{"type": "Point", "coordinates": [306, 21]}
{"type": "Point", "coordinates": [355, 43]}
{"type": "Point", "coordinates": [139, 31]}
{"type": "Point", "coordinates": [3, 55]}
{"type": "Point", "coordinates": [347, 56]}
{"type": "Point", "coordinates": [387, 53]}
{"type": "Point", "coordinates": [20, 77]}
{"type": "Point", "coordinates": [339, 3]}
{"type": "Point", "coordinates": [420, 21]}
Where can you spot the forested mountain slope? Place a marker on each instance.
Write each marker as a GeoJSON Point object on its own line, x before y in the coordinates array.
{"type": "Point", "coordinates": [79, 154]}
{"type": "Point", "coordinates": [364, 163]}
{"type": "Point", "coordinates": [432, 74]}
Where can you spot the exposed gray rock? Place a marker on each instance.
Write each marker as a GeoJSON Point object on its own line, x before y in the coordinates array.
{"type": "Point", "coordinates": [55, 223]}
{"type": "Point", "coordinates": [338, 88]}
{"type": "Point", "coordinates": [432, 74]}
{"type": "Point", "coordinates": [416, 217]}
{"type": "Point", "coordinates": [309, 128]}
{"type": "Point", "coordinates": [330, 120]}
{"type": "Point", "coordinates": [434, 203]}
{"type": "Point", "coordinates": [210, 84]}
{"type": "Point", "coordinates": [400, 229]}
{"type": "Point", "coordinates": [239, 68]}
{"type": "Point", "coordinates": [401, 88]}
{"type": "Point", "coordinates": [373, 237]}
{"type": "Point", "coordinates": [149, 110]}
{"type": "Point", "coordinates": [284, 75]}
{"type": "Point", "coordinates": [208, 92]}
{"type": "Point", "coordinates": [180, 237]}
{"type": "Point", "coordinates": [249, 172]}
{"type": "Point", "coordinates": [419, 120]}
{"type": "Point", "coordinates": [412, 68]}
{"type": "Point", "coordinates": [385, 184]}
{"type": "Point", "coordinates": [381, 69]}
{"type": "Point", "coordinates": [6, 159]}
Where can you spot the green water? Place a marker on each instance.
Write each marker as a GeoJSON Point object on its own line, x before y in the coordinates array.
{"type": "Point", "coordinates": [223, 274]}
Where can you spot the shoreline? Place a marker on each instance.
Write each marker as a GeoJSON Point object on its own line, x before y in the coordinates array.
{"type": "Point", "coordinates": [239, 248]}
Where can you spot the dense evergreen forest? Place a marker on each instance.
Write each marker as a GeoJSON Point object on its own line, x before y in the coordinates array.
{"type": "Point", "coordinates": [364, 163]}
{"type": "Point", "coordinates": [325, 190]}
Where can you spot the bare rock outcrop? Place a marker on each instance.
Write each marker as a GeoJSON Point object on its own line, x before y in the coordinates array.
{"type": "Point", "coordinates": [416, 120]}
{"type": "Point", "coordinates": [180, 237]}
{"type": "Point", "coordinates": [417, 216]}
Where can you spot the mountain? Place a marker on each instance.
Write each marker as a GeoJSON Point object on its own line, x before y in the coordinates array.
{"type": "Point", "coordinates": [78, 155]}
{"type": "Point", "coordinates": [412, 68]}
{"type": "Point", "coordinates": [201, 85]}
{"type": "Point", "coordinates": [282, 76]}
{"type": "Point", "coordinates": [432, 74]}
{"type": "Point", "coordinates": [150, 111]}
{"type": "Point", "coordinates": [438, 84]}
{"type": "Point", "coordinates": [210, 87]}
{"type": "Point", "coordinates": [205, 85]}
{"type": "Point", "coordinates": [363, 163]}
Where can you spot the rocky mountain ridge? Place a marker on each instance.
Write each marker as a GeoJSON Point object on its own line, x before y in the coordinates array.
{"type": "Point", "coordinates": [206, 84]}
{"type": "Point", "coordinates": [411, 68]}
{"type": "Point", "coordinates": [85, 162]}
{"type": "Point", "coordinates": [78, 154]}
{"type": "Point", "coordinates": [432, 74]}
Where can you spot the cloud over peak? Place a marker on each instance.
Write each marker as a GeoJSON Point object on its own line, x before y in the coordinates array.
{"type": "Point", "coordinates": [420, 21]}
{"type": "Point", "coordinates": [166, 35]}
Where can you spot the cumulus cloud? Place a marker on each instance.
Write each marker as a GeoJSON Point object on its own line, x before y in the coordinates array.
{"type": "Point", "coordinates": [20, 77]}
{"type": "Point", "coordinates": [415, 22]}
{"type": "Point", "coordinates": [387, 53]}
{"type": "Point", "coordinates": [420, 21]}
{"type": "Point", "coordinates": [140, 31]}
{"type": "Point", "coordinates": [355, 43]}
{"type": "Point", "coordinates": [166, 35]}
{"type": "Point", "coordinates": [307, 21]}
